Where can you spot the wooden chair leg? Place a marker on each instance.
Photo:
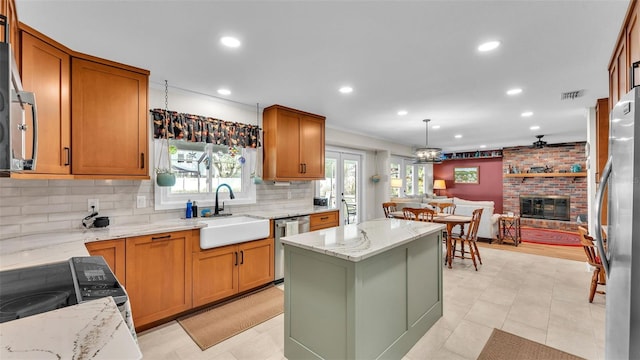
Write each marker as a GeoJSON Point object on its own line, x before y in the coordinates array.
{"type": "Point", "coordinates": [477, 252]}
{"type": "Point", "coordinates": [473, 256]}
{"type": "Point", "coordinates": [594, 284]}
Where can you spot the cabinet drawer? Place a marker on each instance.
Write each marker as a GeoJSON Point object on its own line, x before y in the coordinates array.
{"type": "Point", "coordinates": [323, 220]}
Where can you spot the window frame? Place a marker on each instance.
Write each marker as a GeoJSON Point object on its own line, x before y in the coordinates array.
{"type": "Point", "coordinates": [165, 200]}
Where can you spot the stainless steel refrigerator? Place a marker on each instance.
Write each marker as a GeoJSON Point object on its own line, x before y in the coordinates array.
{"type": "Point", "coordinates": [622, 254]}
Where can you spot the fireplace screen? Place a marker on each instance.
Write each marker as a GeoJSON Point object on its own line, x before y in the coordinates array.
{"type": "Point", "coordinates": [545, 207]}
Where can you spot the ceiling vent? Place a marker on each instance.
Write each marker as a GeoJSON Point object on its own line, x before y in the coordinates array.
{"type": "Point", "coordinates": [571, 95]}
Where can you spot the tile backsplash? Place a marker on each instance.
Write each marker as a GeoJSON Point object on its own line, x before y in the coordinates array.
{"type": "Point", "coordinates": [28, 206]}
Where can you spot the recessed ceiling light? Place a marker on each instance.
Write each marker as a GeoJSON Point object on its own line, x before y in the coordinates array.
{"type": "Point", "coordinates": [346, 89]}
{"type": "Point", "coordinates": [435, 127]}
{"type": "Point", "coordinates": [224, 91]}
{"type": "Point", "coordinates": [534, 127]}
{"type": "Point", "coordinates": [230, 41]}
{"type": "Point", "coordinates": [514, 91]}
{"type": "Point", "coordinates": [403, 112]}
{"type": "Point", "coordinates": [527, 114]}
{"type": "Point", "coordinates": [488, 46]}
{"type": "Point", "coordinates": [458, 136]}
{"type": "Point", "coordinates": [483, 146]}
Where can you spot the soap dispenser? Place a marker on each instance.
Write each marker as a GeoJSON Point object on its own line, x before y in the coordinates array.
{"type": "Point", "coordinates": [189, 213]}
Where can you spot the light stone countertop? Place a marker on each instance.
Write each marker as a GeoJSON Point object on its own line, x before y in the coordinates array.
{"type": "Point", "coordinates": [91, 330]}
{"type": "Point", "coordinates": [356, 242]}
{"type": "Point", "coordinates": [60, 245]}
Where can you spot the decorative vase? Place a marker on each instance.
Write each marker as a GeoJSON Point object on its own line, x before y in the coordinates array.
{"type": "Point", "coordinates": [165, 179]}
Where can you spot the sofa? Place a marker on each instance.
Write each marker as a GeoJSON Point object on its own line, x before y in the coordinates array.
{"type": "Point", "coordinates": [488, 228]}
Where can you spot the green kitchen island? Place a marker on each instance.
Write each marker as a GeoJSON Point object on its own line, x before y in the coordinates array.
{"type": "Point", "coordinates": [361, 291]}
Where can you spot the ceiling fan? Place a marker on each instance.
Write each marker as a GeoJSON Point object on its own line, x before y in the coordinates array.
{"type": "Point", "coordinates": [539, 144]}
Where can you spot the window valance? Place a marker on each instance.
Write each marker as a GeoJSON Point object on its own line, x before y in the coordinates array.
{"type": "Point", "coordinates": [196, 128]}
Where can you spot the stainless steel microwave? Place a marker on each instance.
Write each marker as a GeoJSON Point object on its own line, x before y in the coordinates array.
{"type": "Point", "coordinates": [18, 125]}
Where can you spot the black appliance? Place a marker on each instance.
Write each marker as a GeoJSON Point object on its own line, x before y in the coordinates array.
{"type": "Point", "coordinates": [37, 289]}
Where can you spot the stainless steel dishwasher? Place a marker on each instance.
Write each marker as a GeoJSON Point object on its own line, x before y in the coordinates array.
{"type": "Point", "coordinates": [284, 227]}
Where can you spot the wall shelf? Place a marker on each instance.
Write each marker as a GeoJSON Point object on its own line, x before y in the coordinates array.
{"type": "Point", "coordinates": [486, 154]}
{"type": "Point", "coordinates": [574, 175]}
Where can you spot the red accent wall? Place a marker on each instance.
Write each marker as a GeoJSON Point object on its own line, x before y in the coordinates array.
{"type": "Point", "coordinates": [488, 189]}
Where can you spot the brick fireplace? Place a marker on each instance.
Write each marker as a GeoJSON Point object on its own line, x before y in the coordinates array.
{"type": "Point", "coordinates": [560, 184]}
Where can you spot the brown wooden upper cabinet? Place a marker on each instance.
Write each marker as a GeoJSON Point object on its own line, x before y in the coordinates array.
{"type": "Point", "coordinates": [8, 9]}
{"type": "Point", "coordinates": [293, 144]}
{"type": "Point", "coordinates": [109, 119]}
{"type": "Point", "coordinates": [45, 66]}
{"type": "Point", "coordinates": [93, 113]}
{"type": "Point", "coordinates": [627, 52]}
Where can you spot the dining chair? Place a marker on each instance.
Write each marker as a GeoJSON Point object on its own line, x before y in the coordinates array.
{"type": "Point", "coordinates": [349, 212]}
{"type": "Point", "coordinates": [470, 238]}
{"type": "Point", "coordinates": [418, 214]}
{"type": "Point", "coordinates": [444, 207]}
{"type": "Point", "coordinates": [389, 207]}
{"type": "Point", "coordinates": [598, 277]}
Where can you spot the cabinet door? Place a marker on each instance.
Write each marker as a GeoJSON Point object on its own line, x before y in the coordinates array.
{"type": "Point", "coordinates": [215, 274]}
{"type": "Point", "coordinates": [312, 147]}
{"type": "Point", "coordinates": [8, 9]}
{"type": "Point", "coordinates": [617, 75]}
{"type": "Point", "coordinates": [45, 71]}
{"type": "Point", "coordinates": [288, 143]}
{"type": "Point", "coordinates": [256, 264]}
{"type": "Point", "coordinates": [633, 43]}
{"type": "Point", "coordinates": [158, 275]}
{"type": "Point", "coordinates": [109, 126]}
{"type": "Point", "coordinates": [113, 252]}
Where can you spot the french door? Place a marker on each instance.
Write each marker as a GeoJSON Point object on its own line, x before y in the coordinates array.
{"type": "Point", "coordinates": [342, 184]}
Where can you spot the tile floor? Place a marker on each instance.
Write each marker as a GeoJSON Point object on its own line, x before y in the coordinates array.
{"type": "Point", "coordinates": [540, 298]}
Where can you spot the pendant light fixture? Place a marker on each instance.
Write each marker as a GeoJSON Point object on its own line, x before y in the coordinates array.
{"type": "Point", "coordinates": [428, 155]}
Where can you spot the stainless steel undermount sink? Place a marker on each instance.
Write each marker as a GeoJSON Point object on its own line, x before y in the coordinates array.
{"type": "Point", "coordinates": [232, 230]}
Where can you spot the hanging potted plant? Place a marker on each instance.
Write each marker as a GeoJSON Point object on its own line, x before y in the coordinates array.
{"type": "Point", "coordinates": [164, 174]}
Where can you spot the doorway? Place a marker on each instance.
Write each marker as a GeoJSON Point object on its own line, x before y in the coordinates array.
{"type": "Point", "coordinates": [342, 184]}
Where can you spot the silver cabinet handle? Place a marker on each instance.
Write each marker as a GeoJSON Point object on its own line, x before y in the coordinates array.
{"type": "Point", "coordinates": [598, 223]}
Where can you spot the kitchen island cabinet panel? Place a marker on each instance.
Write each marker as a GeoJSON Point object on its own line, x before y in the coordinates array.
{"type": "Point", "coordinates": [113, 252]}
{"type": "Point", "coordinates": [159, 280]}
{"type": "Point", "coordinates": [361, 307]}
{"type": "Point", "coordinates": [110, 121]}
{"type": "Point", "coordinates": [293, 144]}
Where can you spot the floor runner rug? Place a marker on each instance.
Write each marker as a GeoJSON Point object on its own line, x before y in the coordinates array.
{"type": "Point", "coordinates": [550, 237]}
{"type": "Point", "coordinates": [503, 345]}
{"type": "Point", "coordinates": [213, 325]}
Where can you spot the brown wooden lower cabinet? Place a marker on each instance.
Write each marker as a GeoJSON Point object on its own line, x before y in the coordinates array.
{"type": "Point", "coordinates": [158, 275]}
{"type": "Point", "coordinates": [228, 270]}
{"type": "Point", "coordinates": [113, 252]}
{"type": "Point", "coordinates": [168, 274]}
{"type": "Point", "coordinates": [323, 220]}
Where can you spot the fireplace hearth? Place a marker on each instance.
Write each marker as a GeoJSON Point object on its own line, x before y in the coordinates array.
{"type": "Point", "coordinates": [549, 207]}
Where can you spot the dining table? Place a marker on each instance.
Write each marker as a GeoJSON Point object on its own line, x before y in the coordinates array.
{"type": "Point", "coordinates": [451, 221]}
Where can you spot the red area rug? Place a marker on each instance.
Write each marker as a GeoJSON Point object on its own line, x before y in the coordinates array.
{"type": "Point", "coordinates": [550, 237]}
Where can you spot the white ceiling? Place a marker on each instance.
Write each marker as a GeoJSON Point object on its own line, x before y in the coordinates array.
{"type": "Point", "coordinates": [419, 56]}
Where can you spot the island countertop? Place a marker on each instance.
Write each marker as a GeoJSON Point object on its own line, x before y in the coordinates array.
{"type": "Point", "coordinates": [356, 242]}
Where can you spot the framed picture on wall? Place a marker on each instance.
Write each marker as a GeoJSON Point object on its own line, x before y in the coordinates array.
{"type": "Point", "coordinates": [466, 175]}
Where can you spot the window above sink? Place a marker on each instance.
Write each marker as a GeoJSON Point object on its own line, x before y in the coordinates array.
{"type": "Point", "coordinates": [200, 168]}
